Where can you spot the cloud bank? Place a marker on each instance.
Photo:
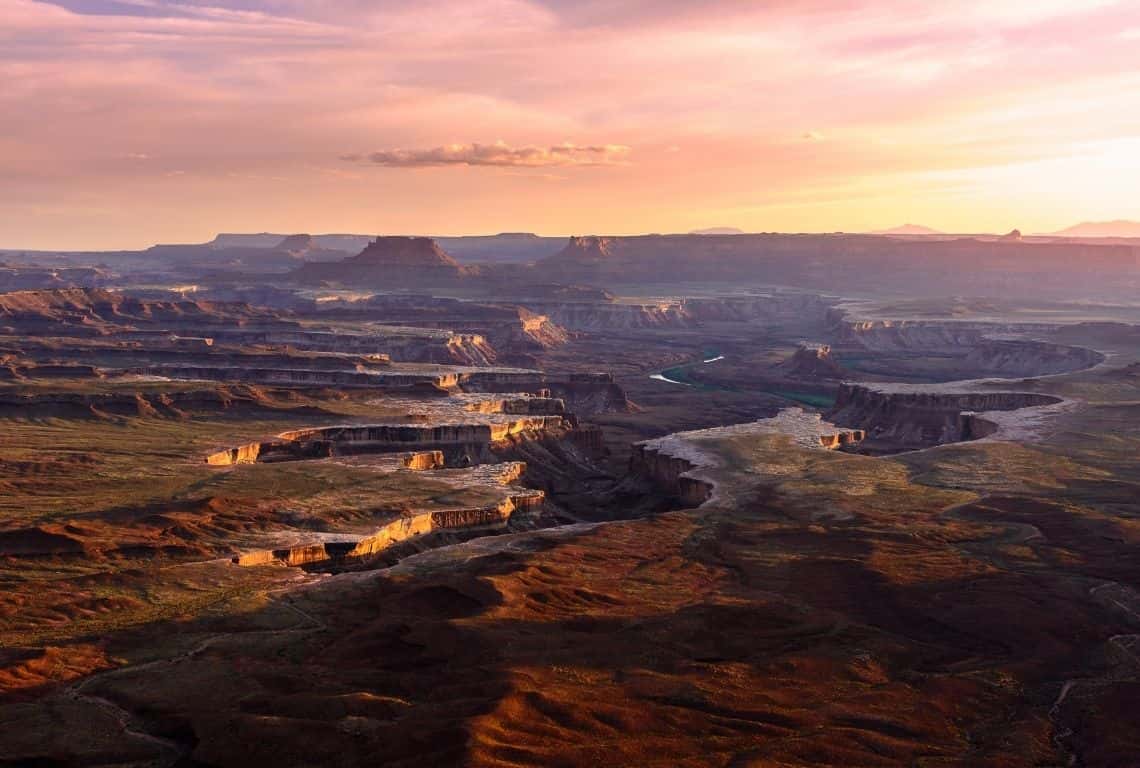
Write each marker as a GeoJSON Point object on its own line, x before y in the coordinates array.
{"type": "Point", "coordinates": [499, 154]}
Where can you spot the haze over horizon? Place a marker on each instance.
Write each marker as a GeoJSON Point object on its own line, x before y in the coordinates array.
{"type": "Point", "coordinates": [130, 122]}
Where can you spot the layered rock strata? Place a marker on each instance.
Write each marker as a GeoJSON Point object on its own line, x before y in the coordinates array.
{"type": "Point", "coordinates": [907, 417]}
{"type": "Point", "coordinates": [974, 345]}
{"type": "Point", "coordinates": [466, 441]}
{"type": "Point", "coordinates": [457, 431]}
{"type": "Point", "coordinates": [466, 520]}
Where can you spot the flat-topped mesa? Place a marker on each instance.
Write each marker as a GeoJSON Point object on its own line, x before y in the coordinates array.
{"type": "Point", "coordinates": [394, 251]}
{"type": "Point", "coordinates": [388, 261]}
{"type": "Point", "coordinates": [904, 417]}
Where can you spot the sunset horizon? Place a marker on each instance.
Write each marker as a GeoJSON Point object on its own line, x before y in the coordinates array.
{"type": "Point", "coordinates": [134, 122]}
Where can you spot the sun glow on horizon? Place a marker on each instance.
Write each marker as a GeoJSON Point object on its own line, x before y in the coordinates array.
{"type": "Point", "coordinates": [125, 124]}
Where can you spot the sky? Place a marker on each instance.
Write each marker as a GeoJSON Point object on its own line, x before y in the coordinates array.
{"type": "Point", "coordinates": [125, 123]}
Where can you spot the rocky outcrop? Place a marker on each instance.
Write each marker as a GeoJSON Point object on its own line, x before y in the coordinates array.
{"type": "Point", "coordinates": [812, 362]}
{"type": "Point", "coordinates": [422, 461]}
{"type": "Point", "coordinates": [899, 417]}
{"type": "Point", "coordinates": [837, 440]}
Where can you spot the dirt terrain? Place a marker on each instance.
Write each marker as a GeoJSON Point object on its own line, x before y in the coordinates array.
{"type": "Point", "coordinates": [480, 520]}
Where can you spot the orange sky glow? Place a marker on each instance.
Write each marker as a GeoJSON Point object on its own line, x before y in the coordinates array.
{"type": "Point", "coordinates": [129, 122]}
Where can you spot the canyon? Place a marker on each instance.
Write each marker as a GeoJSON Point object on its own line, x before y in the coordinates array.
{"type": "Point", "coordinates": [662, 500]}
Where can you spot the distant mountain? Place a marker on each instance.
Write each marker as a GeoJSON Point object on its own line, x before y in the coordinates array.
{"type": "Point", "coordinates": [503, 248]}
{"type": "Point", "coordinates": [908, 229]}
{"type": "Point", "coordinates": [718, 231]}
{"type": "Point", "coordinates": [1118, 228]}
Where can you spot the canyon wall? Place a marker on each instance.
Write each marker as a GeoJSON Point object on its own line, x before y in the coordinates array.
{"type": "Point", "coordinates": [906, 418]}
{"type": "Point", "coordinates": [467, 519]}
{"type": "Point", "coordinates": [670, 473]}
{"type": "Point", "coordinates": [472, 441]}
{"type": "Point", "coordinates": [973, 346]}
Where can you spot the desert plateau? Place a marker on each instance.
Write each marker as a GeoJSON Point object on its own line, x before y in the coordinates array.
{"type": "Point", "coordinates": [512, 521]}
{"type": "Point", "coordinates": [553, 384]}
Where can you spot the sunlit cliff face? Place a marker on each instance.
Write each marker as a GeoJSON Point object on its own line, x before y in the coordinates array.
{"type": "Point", "coordinates": [125, 122]}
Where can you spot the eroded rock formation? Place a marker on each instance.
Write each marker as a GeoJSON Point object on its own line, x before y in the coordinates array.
{"type": "Point", "coordinates": [468, 519]}
{"type": "Point", "coordinates": [422, 461]}
{"type": "Point", "coordinates": [812, 362]}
